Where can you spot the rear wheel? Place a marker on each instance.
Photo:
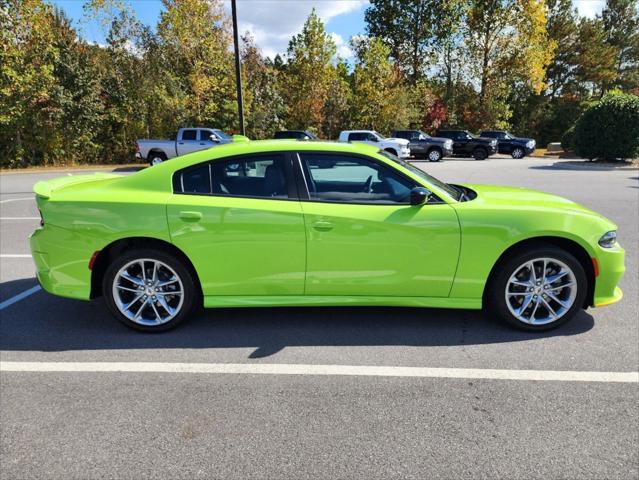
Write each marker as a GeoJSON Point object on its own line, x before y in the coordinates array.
{"type": "Point", "coordinates": [434, 155]}
{"type": "Point", "coordinates": [149, 290]}
{"type": "Point", "coordinates": [539, 289]}
{"type": "Point", "coordinates": [155, 158]}
{"type": "Point", "coordinates": [480, 154]}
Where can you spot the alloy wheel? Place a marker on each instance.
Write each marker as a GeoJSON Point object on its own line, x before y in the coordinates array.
{"type": "Point", "coordinates": [541, 291]}
{"type": "Point", "coordinates": [434, 156]}
{"type": "Point", "coordinates": [148, 292]}
{"type": "Point", "coordinates": [518, 153]}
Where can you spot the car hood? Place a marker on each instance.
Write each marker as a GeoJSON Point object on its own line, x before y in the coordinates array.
{"type": "Point", "coordinates": [524, 198]}
{"type": "Point", "coordinates": [399, 141]}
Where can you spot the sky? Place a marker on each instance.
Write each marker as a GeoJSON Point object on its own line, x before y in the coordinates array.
{"type": "Point", "coordinates": [272, 22]}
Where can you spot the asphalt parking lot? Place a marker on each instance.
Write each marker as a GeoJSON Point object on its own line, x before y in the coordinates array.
{"type": "Point", "coordinates": [246, 424]}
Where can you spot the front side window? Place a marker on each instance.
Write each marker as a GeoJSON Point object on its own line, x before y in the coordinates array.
{"type": "Point", "coordinates": [353, 179]}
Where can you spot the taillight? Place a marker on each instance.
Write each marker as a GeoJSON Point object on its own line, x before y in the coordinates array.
{"type": "Point", "coordinates": [137, 147]}
{"type": "Point", "coordinates": [41, 218]}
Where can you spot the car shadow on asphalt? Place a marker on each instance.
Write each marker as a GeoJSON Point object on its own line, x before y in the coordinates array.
{"type": "Point", "coordinates": [43, 322]}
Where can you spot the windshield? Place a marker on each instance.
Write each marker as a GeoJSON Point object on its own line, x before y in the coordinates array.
{"type": "Point", "coordinates": [508, 136]}
{"type": "Point", "coordinates": [222, 135]}
{"type": "Point", "coordinates": [378, 135]}
{"type": "Point", "coordinates": [449, 189]}
{"type": "Point", "coordinates": [423, 136]}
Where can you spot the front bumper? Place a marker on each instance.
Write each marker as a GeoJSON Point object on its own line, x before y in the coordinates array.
{"type": "Point", "coordinates": [611, 269]}
{"type": "Point", "coordinates": [404, 152]}
{"type": "Point", "coordinates": [447, 152]}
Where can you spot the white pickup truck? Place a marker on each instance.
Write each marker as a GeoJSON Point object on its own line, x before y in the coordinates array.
{"type": "Point", "coordinates": [396, 146]}
{"type": "Point", "coordinates": [187, 140]}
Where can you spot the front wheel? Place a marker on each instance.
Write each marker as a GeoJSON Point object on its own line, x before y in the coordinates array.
{"type": "Point", "coordinates": [539, 289]}
{"type": "Point", "coordinates": [517, 153]}
{"type": "Point", "coordinates": [480, 154]}
{"type": "Point", "coordinates": [149, 290]}
{"type": "Point", "coordinates": [391, 151]}
{"type": "Point", "coordinates": [434, 155]}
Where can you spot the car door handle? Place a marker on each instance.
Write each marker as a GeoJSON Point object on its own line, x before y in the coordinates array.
{"type": "Point", "coordinates": [191, 216]}
{"type": "Point", "coordinates": [323, 226]}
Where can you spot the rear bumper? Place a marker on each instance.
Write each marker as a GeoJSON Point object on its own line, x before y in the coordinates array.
{"type": "Point", "coordinates": [57, 266]}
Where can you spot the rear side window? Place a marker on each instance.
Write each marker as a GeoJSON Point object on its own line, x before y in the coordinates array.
{"type": "Point", "coordinates": [189, 135]}
{"type": "Point", "coordinates": [193, 180]}
{"type": "Point", "coordinates": [357, 137]}
{"type": "Point", "coordinates": [254, 176]}
{"type": "Point", "coordinates": [445, 134]}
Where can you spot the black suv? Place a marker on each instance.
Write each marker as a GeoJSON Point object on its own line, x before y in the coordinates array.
{"type": "Point", "coordinates": [511, 145]}
{"type": "Point", "coordinates": [423, 145]}
{"type": "Point", "coordinates": [296, 134]}
{"type": "Point", "coordinates": [466, 144]}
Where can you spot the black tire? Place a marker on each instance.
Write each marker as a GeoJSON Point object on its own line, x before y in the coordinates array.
{"type": "Point", "coordinates": [480, 153]}
{"type": "Point", "coordinates": [391, 150]}
{"type": "Point", "coordinates": [495, 298]}
{"type": "Point", "coordinates": [156, 157]}
{"type": "Point", "coordinates": [518, 153]}
{"type": "Point", "coordinates": [434, 155]}
{"type": "Point", "coordinates": [191, 296]}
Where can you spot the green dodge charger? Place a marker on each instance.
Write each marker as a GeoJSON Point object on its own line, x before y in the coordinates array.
{"type": "Point", "coordinates": [283, 223]}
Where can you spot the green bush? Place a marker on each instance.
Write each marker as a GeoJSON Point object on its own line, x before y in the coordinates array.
{"type": "Point", "coordinates": [609, 129]}
{"type": "Point", "coordinates": [567, 139]}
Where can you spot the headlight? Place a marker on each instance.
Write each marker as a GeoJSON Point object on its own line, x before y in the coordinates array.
{"type": "Point", "coordinates": [493, 142]}
{"type": "Point", "coordinates": [448, 143]}
{"type": "Point", "coordinates": [530, 144]}
{"type": "Point", "coordinates": [608, 239]}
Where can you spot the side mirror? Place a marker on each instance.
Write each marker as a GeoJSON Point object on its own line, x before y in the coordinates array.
{"type": "Point", "coordinates": [419, 195]}
{"type": "Point", "coordinates": [214, 138]}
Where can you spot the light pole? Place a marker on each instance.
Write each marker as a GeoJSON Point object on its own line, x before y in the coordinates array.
{"type": "Point", "coordinates": [238, 70]}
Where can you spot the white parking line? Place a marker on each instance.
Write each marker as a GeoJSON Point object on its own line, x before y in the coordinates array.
{"type": "Point", "coordinates": [19, 296]}
{"type": "Point", "coordinates": [16, 199]}
{"type": "Point", "coordinates": [15, 255]}
{"type": "Point", "coordinates": [19, 218]}
{"type": "Point", "coordinates": [335, 370]}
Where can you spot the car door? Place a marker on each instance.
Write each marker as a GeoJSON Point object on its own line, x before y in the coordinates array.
{"type": "Point", "coordinates": [188, 142]}
{"type": "Point", "coordinates": [239, 221]}
{"type": "Point", "coordinates": [363, 236]}
{"type": "Point", "coordinates": [205, 139]}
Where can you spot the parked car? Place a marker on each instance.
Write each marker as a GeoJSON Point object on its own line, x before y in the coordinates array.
{"type": "Point", "coordinates": [514, 146]}
{"type": "Point", "coordinates": [423, 145]}
{"type": "Point", "coordinates": [464, 143]}
{"type": "Point", "coordinates": [260, 224]}
{"type": "Point", "coordinates": [396, 146]}
{"type": "Point", "coordinates": [187, 140]}
{"type": "Point", "coordinates": [295, 134]}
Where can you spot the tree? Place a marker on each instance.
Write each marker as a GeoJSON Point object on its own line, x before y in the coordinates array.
{"type": "Point", "coordinates": [195, 41]}
{"type": "Point", "coordinates": [27, 55]}
{"type": "Point", "coordinates": [596, 59]}
{"type": "Point", "coordinates": [264, 105]}
{"type": "Point", "coordinates": [308, 75]}
{"type": "Point", "coordinates": [621, 24]}
{"type": "Point", "coordinates": [507, 44]}
{"type": "Point", "coordinates": [380, 101]}
{"type": "Point", "coordinates": [413, 29]}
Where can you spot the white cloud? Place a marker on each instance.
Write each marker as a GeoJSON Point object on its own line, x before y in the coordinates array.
{"type": "Point", "coordinates": [343, 49]}
{"type": "Point", "coordinates": [274, 22]}
{"type": "Point", "coordinates": [589, 8]}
